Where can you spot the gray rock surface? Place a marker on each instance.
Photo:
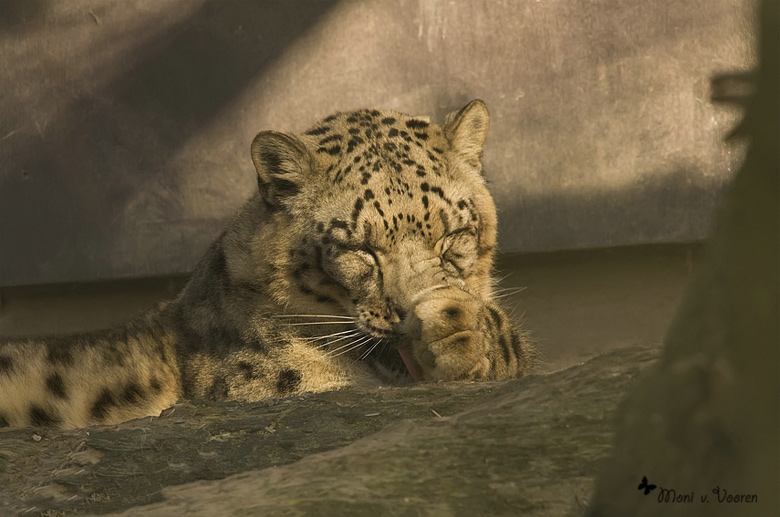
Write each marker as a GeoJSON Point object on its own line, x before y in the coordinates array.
{"type": "Point", "coordinates": [533, 446]}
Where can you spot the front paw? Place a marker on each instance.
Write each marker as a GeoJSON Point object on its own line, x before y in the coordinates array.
{"type": "Point", "coordinates": [448, 338]}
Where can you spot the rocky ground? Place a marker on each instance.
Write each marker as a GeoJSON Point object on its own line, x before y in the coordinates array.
{"type": "Point", "coordinates": [531, 446]}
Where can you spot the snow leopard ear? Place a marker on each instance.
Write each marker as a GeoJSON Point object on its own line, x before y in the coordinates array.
{"type": "Point", "coordinates": [282, 163]}
{"type": "Point", "coordinates": [466, 130]}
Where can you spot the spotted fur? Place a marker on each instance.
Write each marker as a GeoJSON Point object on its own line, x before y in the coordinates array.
{"type": "Point", "coordinates": [363, 259]}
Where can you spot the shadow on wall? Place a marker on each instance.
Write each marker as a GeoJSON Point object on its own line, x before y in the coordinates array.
{"type": "Point", "coordinates": [21, 15]}
{"type": "Point", "coordinates": [659, 207]}
{"type": "Point", "coordinates": [125, 126]}
{"type": "Point", "coordinates": [96, 145]}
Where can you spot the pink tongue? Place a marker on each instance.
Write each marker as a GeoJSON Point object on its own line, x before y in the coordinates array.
{"type": "Point", "coordinates": [411, 364]}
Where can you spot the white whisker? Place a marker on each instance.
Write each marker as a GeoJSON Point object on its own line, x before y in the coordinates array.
{"type": "Point", "coordinates": [342, 338]}
{"type": "Point", "coordinates": [348, 350]}
{"type": "Point", "coordinates": [343, 349]}
{"type": "Point", "coordinates": [329, 343]}
{"type": "Point", "coordinates": [334, 334]}
{"type": "Point", "coordinates": [508, 289]}
{"type": "Point", "coordinates": [501, 279]}
{"type": "Point", "coordinates": [371, 349]}
{"type": "Point", "coordinates": [300, 324]}
{"type": "Point", "coordinates": [334, 316]}
{"type": "Point", "coordinates": [505, 295]}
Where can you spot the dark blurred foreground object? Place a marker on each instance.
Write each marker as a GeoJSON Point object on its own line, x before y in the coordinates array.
{"type": "Point", "coordinates": [703, 422]}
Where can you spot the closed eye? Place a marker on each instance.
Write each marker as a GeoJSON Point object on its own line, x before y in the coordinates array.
{"type": "Point", "coordinates": [349, 267]}
{"type": "Point", "coordinates": [460, 249]}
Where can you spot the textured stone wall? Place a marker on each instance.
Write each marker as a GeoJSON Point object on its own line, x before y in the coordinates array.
{"type": "Point", "coordinates": [125, 126]}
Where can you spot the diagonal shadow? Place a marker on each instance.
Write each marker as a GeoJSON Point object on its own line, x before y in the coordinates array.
{"type": "Point", "coordinates": [62, 192]}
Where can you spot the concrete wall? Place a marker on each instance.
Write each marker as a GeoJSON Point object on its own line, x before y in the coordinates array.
{"type": "Point", "coordinates": [125, 126]}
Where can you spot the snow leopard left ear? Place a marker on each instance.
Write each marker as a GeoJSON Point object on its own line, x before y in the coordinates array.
{"type": "Point", "coordinates": [282, 163]}
{"type": "Point", "coordinates": [466, 130]}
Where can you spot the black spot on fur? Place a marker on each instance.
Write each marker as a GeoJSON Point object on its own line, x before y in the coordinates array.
{"type": "Point", "coordinates": [56, 386]}
{"type": "Point", "coordinates": [113, 356]}
{"type": "Point", "coordinates": [425, 187]}
{"type": "Point", "coordinates": [288, 381]}
{"type": "Point", "coordinates": [217, 263]}
{"type": "Point", "coordinates": [39, 417]}
{"type": "Point", "coordinates": [333, 150]}
{"type": "Point", "coordinates": [58, 355]}
{"type": "Point", "coordinates": [331, 118]}
{"type": "Point", "coordinates": [517, 345]}
{"type": "Point", "coordinates": [154, 385]}
{"type": "Point", "coordinates": [247, 370]}
{"type": "Point", "coordinates": [368, 195]}
{"type": "Point", "coordinates": [218, 389]}
{"type": "Point", "coordinates": [425, 201]}
{"type": "Point", "coordinates": [133, 393]}
{"type": "Point", "coordinates": [353, 142]}
{"type": "Point", "coordinates": [102, 405]}
{"type": "Point", "coordinates": [392, 132]}
{"type": "Point", "coordinates": [461, 204]}
{"type": "Point", "coordinates": [318, 131]}
{"type": "Point", "coordinates": [496, 317]}
{"type": "Point", "coordinates": [356, 211]}
{"type": "Point", "coordinates": [416, 124]}
{"type": "Point", "coordinates": [388, 120]}
{"type": "Point", "coordinates": [338, 223]}
{"type": "Point", "coordinates": [504, 348]}
{"type": "Point", "coordinates": [331, 138]}
{"type": "Point", "coordinates": [421, 136]}
{"type": "Point", "coordinates": [445, 221]}
{"type": "Point", "coordinates": [6, 364]}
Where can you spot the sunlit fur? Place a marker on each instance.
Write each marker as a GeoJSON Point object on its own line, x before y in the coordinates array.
{"type": "Point", "coordinates": [370, 233]}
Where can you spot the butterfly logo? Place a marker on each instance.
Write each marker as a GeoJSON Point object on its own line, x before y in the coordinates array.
{"type": "Point", "coordinates": [643, 485]}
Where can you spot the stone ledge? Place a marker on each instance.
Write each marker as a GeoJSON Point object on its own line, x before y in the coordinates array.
{"type": "Point", "coordinates": [533, 444]}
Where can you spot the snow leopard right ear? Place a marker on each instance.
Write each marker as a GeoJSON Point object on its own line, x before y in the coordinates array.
{"type": "Point", "coordinates": [466, 129]}
{"type": "Point", "coordinates": [282, 163]}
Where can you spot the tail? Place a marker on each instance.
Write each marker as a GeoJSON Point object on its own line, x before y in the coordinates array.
{"type": "Point", "coordinates": [102, 377]}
